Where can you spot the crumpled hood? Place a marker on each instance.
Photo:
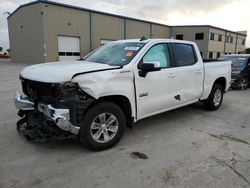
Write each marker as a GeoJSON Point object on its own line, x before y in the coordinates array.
{"type": "Point", "coordinates": [58, 72]}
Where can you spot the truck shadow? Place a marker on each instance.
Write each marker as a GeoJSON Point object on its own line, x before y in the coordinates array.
{"type": "Point", "coordinates": [169, 120]}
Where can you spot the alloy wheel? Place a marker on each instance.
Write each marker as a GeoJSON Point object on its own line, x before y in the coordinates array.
{"type": "Point", "coordinates": [104, 127]}
{"type": "Point", "coordinates": [217, 97]}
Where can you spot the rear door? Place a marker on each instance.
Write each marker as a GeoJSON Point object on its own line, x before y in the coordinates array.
{"type": "Point", "coordinates": [68, 48]}
{"type": "Point", "coordinates": [189, 73]}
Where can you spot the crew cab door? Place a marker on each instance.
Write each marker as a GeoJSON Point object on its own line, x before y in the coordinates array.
{"type": "Point", "coordinates": [189, 72]}
{"type": "Point", "coordinates": [154, 92]}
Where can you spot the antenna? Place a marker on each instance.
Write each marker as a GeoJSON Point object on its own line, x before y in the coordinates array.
{"type": "Point", "coordinates": [143, 38]}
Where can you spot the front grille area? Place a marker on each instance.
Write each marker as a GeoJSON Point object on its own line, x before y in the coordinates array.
{"type": "Point", "coordinates": [39, 91]}
{"type": "Point", "coordinates": [59, 96]}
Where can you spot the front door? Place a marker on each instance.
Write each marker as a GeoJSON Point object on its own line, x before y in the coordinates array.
{"type": "Point", "coordinates": [155, 92]}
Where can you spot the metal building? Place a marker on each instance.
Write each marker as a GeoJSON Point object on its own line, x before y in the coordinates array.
{"type": "Point", "coordinates": [46, 31]}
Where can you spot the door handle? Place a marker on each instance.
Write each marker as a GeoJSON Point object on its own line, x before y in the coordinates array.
{"type": "Point", "coordinates": [199, 71]}
{"type": "Point", "coordinates": [171, 75]}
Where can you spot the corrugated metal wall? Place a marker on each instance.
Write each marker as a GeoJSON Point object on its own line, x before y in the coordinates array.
{"type": "Point", "coordinates": [101, 26]}
{"type": "Point", "coordinates": [26, 35]}
{"type": "Point", "coordinates": [61, 21]}
{"type": "Point", "coordinates": [137, 29]}
{"type": "Point", "coordinates": [159, 31]}
{"type": "Point", "coordinates": [47, 21]}
{"type": "Point", "coordinates": [34, 31]}
{"type": "Point", "coordinates": [106, 27]}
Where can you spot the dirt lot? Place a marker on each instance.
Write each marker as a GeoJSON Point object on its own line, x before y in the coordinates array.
{"type": "Point", "coordinates": [188, 147]}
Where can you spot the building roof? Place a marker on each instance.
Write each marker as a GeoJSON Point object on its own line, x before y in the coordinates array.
{"type": "Point", "coordinates": [210, 26]}
{"type": "Point", "coordinates": [116, 15]}
{"type": "Point", "coordinates": [83, 9]}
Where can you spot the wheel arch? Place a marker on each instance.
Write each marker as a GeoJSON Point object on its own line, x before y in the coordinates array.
{"type": "Point", "coordinates": [209, 84]}
{"type": "Point", "coordinates": [222, 81]}
{"type": "Point", "coordinates": [121, 101]}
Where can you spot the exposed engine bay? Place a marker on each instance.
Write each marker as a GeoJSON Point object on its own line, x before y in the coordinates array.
{"type": "Point", "coordinates": [50, 111]}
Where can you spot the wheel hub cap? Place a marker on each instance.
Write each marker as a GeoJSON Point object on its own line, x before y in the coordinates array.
{"type": "Point", "coordinates": [217, 97]}
{"type": "Point", "coordinates": [104, 127]}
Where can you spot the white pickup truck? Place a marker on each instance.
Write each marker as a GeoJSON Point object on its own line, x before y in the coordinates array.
{"type": "Point", "coordinates": [115, 86]}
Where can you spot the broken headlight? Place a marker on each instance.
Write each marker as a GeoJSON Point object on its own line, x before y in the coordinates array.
{"type": "Point", "coordinates": [69, 85]}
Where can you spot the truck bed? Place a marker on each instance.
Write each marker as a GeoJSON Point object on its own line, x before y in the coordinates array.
{"type": "Point", "coordinates": [214, 70]}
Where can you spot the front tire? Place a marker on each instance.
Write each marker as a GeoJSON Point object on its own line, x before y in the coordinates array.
{"type": "Point", "coordinates": [103, 126]}
{"type": "Point", "coordinates": [213, 102]}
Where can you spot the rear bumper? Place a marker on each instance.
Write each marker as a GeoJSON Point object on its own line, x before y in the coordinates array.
{"type": "Point", "coordinates": [60, 117]}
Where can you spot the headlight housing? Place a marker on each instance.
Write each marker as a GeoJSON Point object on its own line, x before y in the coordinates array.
{"type": "Point", "coordinates": [70, 90]}
{"type": "Point", "coordinates": [69, 85]}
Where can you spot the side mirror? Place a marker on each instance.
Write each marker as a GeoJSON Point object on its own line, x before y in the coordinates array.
{"type": "Point", "coordinates": [148, 66]}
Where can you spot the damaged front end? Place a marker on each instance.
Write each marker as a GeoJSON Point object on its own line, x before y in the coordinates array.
{"type": "Point", "coordinates": [50, 111]}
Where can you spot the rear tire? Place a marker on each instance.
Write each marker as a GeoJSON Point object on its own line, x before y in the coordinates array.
{"type": "Point", "coordinates": [102, 127]}
{"type": "Point", "coordinates": [243, 83]}
{"type": "Point", "coordinates": [214, 100]}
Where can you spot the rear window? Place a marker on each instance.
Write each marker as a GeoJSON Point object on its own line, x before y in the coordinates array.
{"type": "Point", "coordinates": [184, 54]}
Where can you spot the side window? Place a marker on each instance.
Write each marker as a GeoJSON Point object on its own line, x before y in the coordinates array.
{"type": "Point", "coordinates": [159, 53]}
{"type": "Point", "coordinates": [184, 54]}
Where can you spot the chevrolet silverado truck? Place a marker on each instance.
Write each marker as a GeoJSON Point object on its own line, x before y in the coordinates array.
{"type": "Point", "coordinates": [115, 86]}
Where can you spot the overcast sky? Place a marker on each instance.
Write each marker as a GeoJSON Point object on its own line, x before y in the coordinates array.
{"type": "Point", "coordinates": [229, 14]}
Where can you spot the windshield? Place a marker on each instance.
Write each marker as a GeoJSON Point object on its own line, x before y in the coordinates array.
{"type": "Point", "coordinates": [238, 62]}
{"type": "Point", "coordinates": [116, 53]}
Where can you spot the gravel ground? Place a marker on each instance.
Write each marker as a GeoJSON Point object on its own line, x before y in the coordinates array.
{"type": "Point", "coordinates": [187, 147]}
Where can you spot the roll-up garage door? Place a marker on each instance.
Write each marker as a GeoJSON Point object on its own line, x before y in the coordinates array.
{"type": "Point", "coordinates": [68, 48]}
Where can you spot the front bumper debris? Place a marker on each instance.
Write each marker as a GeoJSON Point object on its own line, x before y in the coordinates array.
{"type": "Point", "coordinates": [60, 117]}
{"type": "Point", "coordinates": [45, 115]}
{"type": "Point", "coordinates": [22, 103]}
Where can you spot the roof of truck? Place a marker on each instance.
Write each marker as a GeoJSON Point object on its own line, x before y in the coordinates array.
{"type": "Point", "coordinates": [156, 40]}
